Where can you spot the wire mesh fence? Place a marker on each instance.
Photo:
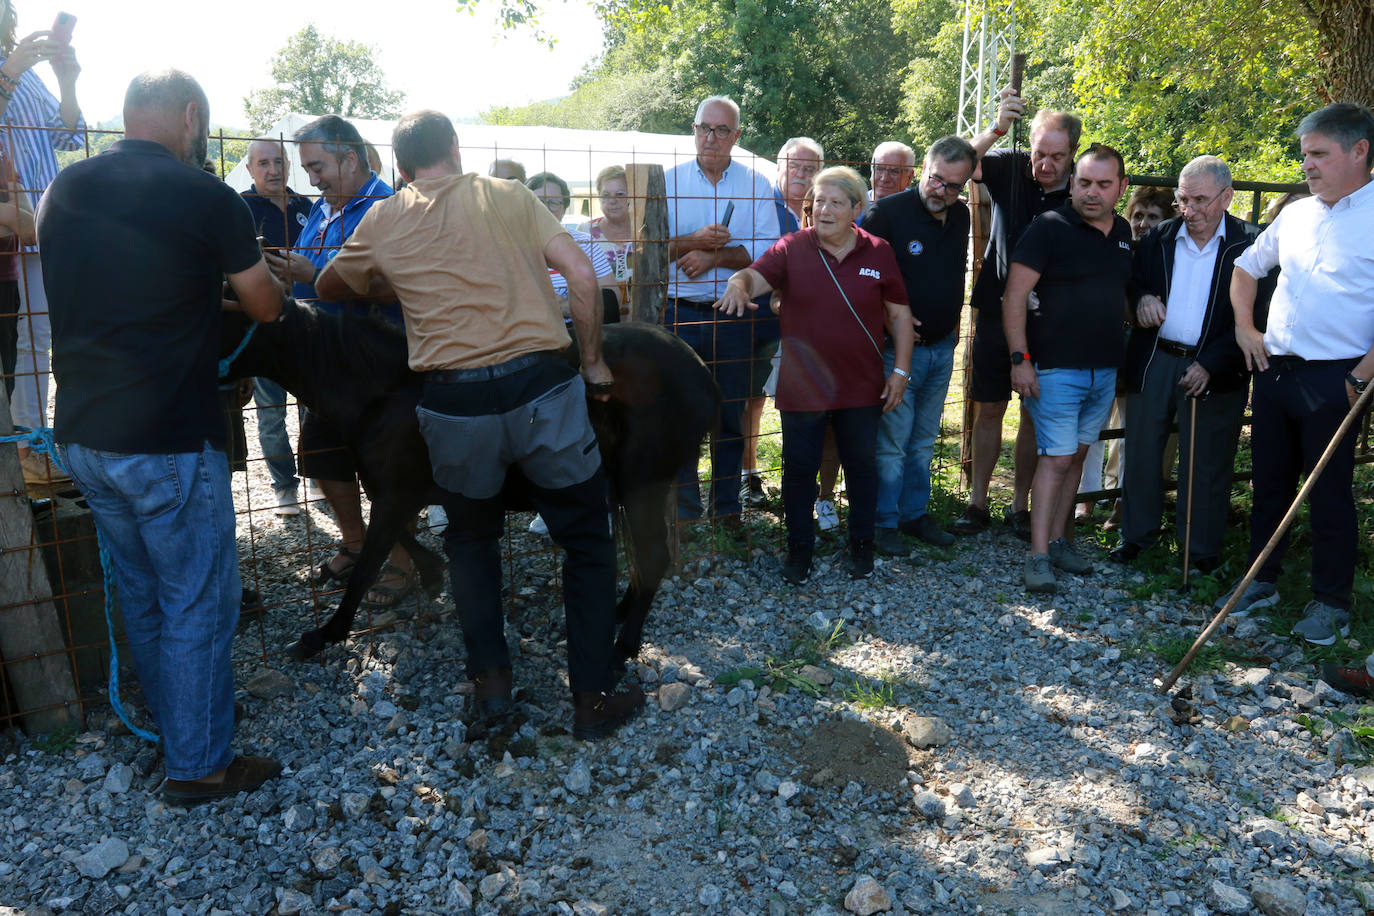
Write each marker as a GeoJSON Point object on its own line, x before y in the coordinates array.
{"type": "Point", "coordinates": [630, 198]}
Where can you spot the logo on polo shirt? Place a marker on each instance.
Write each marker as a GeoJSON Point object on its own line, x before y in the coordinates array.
{"type": "Point", "coordinates": [1126, 245]}
{"type": "Point", "coordinates": [915, 247]}
{"type": "Point", "coordinates": [300, 218]}
{"type": "Point", "coordinates": [870, 272]}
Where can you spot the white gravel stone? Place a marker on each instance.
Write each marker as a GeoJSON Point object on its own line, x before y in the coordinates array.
{"type": "Point", "coordinates": [866, 897]}
{"type": "Point", "coordinates": [1277, 897]}
{"type": "Point", "coordinates": [103, 858]}
{"type": "Point", "coordinates": [709, 895]}
{"type": "Point", "coordinates": [926, 731]}
{"type": "Point", "coordinates": [1223, 898]}
{"type": "Point", "coordinates": [119, 779]}
{"type": "Point", "coordinates": [579, 778]}
{"type": "Point", "coordinates": [270, 684]}
{"type": "Point", "coordinates": [1045, 859]}
{"type": "Point", "coordinates": [673, 696]}
{"type": "Point", "coordinates": [930, 806]}
{"type": "Point", "coordinates": [1119, 900]}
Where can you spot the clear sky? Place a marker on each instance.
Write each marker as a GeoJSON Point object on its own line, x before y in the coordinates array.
{"type": "Point", "coordinates": [440, 58]}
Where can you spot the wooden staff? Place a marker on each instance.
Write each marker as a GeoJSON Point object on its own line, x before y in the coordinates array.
{"type": "Point", "coordinates": [1292, 513]}
{"type": "Point", "coordinates": [1188, 510]}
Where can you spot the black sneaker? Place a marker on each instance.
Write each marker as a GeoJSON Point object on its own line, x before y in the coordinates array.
{"type": "Point", "coordinates": [1019, 521]}
{"type": "Point", "coordinates": [751, 491]}
{"type": "Point", "coordinates": [889, 543]}
{"type": "Point", "coordinates": [861, 558]}
{"type": "Point", "coordinates": [798, 565]}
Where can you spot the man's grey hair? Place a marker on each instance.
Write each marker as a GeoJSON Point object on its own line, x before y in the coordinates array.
{"type": "Point", "coordinates": [953, 150]}
{"type": "Point", "coordinates": [165, 91]}
{"type": "Point", "coordinates": [1344, 122]}
{"type": "Point", "coordinates": [336, 136]}
{"type": "Point", "coordinates": [1211, 166]}
{"type": "Point", "coordinates": [722, 99]}
{"type": "Point", "coordinates": [801, 143]}
{"type": "Point", "coordinates": [895, 146]}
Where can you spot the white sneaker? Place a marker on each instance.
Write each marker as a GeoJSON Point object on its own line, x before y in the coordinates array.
{"type": "Point", "coordinates": [826, 516]}
{"type": "Point", "coordinates": [538, 527]}
{"type": "Point", "coordinates": [287, 503]}
{"type": "Point", "coordinates": [313, 491]}
{"type": "Point", "coordinates": [438, 519]}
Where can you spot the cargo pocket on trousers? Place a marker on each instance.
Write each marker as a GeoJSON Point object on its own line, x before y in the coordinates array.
{"type": "Point", "coordinates": [465, 453]}
{"type": "Point", "coordinates": [558, 442]}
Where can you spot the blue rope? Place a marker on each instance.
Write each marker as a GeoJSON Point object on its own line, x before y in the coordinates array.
{"type": "Point", "coordinates": [40, 440]}
{"type": "Point", "coordinates": [228, 361]}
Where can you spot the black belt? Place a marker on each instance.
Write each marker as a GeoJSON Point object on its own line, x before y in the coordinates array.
{"type": "Point", "coordinates": [923, 342]}
{"type": "Point", "coordinates": [1174, 348]}
{"type": "Point", "coordinates": [487, 373]}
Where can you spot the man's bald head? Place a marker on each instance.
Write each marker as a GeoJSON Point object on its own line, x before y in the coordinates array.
{"type": "Point", "coordinates": [170, 108]}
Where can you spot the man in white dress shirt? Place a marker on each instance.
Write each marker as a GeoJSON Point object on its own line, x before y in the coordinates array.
{"type": "Point", "coordinates": [1313, 359]}
{"type": "Point", "coordinates": [720, 219]}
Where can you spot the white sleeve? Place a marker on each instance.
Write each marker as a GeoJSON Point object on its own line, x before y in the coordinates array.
{"type": "Point", "coordinates": [1262, 256]}
{"type": "Point", "coordinates": [765, 221]}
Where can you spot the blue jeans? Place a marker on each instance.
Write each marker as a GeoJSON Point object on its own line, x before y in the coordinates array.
{"type": "Point", "coordinates": [907, 434]}
{"type": "Point", "coordinates": [726, 345]}
{"type": "Point", "coordinates": [270, 399]}
{"type": "Point", "coordinates": [168, 523]}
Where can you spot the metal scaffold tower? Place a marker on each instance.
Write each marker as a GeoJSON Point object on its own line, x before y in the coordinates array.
{"type": "Point", "coordinates": [989, 42]}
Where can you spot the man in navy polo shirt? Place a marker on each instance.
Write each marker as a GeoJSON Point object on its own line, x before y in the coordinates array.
{"type": "Point", "coordinates": [136, 323]}
{"type": "Point", "coordinates": [1064, 356]}
{"type": "Point", "coordinates": [928, 228]}
{"type": "Point", "coordinates": [334, 155]}
{"type": "Point", "coordinates": [278, 214]}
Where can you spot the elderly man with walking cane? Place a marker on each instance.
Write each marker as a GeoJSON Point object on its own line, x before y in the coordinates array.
{"type": "Point", "coordinates": [1312, 362]}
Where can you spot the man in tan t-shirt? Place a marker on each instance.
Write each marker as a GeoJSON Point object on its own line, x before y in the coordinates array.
{"type": "Point", "coordinates": [468, 256]}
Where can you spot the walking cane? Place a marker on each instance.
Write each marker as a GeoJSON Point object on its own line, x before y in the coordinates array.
{"type": "Point", "coordinates": [1188, 510]}
{"type": "Point", "coordinates": [1288, 517]}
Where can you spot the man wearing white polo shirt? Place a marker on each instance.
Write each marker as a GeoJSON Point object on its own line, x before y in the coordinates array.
{"type": "Point", "coordinates": [1313, 359]}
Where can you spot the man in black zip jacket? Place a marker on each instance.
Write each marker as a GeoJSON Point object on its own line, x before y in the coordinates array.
{"type": "Point", "coordinates": [1183, 347]}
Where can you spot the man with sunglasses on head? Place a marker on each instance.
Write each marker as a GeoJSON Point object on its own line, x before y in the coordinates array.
{"type": "Point", "coordinates": [720, 219]}
{"type": "Point", "coordinates": [1182, 356]}
{"type": "Point", "coordinates": [1021, 186]}
{"type": "Point", "coordinates": [928, 228]}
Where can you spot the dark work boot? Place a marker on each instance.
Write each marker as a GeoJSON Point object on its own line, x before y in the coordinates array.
{"type": "Point", "coordinates": [597, 713]}
{"type": "Point", "coordinates": [798, 565]}
{"type": "Point", "coordinates": [861, 558]}
{"type": "Point", "coordinates": [491, 698]}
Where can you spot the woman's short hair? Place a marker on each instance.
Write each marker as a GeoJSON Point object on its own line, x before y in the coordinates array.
{"type": "Point", "coordinates": [537, 181]}
{"type": "Point", "coordinates": [847, 180]}
{"type": "Point", "coordinates": [608, 173]}
{"type": "Point", "coordinates": [1141, 197]}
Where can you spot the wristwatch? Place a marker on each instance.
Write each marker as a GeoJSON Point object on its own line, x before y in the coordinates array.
{"type": "Point", "coordinates": [1359, 384]}
{"type": "Point", "coordinates": [1017, 357]}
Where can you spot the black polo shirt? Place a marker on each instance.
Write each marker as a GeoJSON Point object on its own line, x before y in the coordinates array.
{"type": "Point", "coordinates": [135, 245]}
{"type": "Point", "coordinates": [278, 229]}
{"type": "Point", "coordinates": [1082, 290]}
{"type": "Point", "coordinates": [932, 255]}
{"type": "Point", "coordinates": [1003, 171]}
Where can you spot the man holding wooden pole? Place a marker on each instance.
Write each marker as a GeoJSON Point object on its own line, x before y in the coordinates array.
{"type": "Point", "coordinates": [1313, 361]}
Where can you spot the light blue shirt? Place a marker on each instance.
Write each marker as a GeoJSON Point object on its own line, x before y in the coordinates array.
{"type": "Point", "coordinates": [694, 202]}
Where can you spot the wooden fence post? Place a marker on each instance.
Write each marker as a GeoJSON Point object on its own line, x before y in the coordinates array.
{"type": "Point", "coordinates": [31, 644]}
{"type": "Point", "coordinates": [649, 285]}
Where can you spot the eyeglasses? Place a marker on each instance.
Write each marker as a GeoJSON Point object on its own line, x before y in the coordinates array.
{"type": "Point", "coordinates": [721, 131]}
{"type": "Point", "coordinates": [892, 171]}
{"type": "Point", "coordinates": [939, 184]}
{"type": "Point", "coordinates": [804, 169]}
{"type": "Point", "coordinates": [1193, 203]}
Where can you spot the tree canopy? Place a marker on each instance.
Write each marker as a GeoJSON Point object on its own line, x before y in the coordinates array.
{"type": "Point", "coordinates": [321, 75]}
{"type": "Point", "coordinates": [1162, 80]}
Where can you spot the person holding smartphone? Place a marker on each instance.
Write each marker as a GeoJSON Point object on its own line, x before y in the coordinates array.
{"type": "Point", "coordinates": [33, 126]}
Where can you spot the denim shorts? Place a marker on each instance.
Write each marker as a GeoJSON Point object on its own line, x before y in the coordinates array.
{"type": "Point", "coordinates": [1072, 408]}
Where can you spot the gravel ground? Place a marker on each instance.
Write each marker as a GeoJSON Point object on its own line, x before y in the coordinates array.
{"type": "Point", "coordinates": [928, 741]}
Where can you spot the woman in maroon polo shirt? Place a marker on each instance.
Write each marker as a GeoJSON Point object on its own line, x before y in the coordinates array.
{"type": "Point", "coordinates": [840, 286]}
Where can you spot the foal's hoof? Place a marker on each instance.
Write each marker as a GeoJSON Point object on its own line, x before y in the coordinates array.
{"type": "Point", "coordinates": [308, 646]}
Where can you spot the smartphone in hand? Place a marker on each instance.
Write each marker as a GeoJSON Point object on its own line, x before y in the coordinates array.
{"type": "Point", "coordinates": [62, 28]}
{"type": "Point", "coordinates": [729, 212]}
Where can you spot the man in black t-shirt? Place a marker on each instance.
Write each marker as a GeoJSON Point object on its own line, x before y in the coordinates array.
{"type": "Point", "coordinates": [927, 228]}
{"type": "Point", "coordinates": [1064, 356]}
{"type": "Point", "coordinates": [1021, 187]}
{"type": "Point", "coordinates": [136, 321]}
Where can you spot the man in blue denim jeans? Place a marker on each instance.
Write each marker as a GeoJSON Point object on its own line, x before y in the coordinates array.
{"type": "Point", "coordinates": [1064, 354]}
{"type": "Point", "coordinates": [928, 228]}
{"type": "Point", "coordinates": [135, 338]}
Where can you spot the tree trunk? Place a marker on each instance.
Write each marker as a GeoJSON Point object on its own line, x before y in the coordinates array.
{"type": "Point", "coordinates": [1345, 33]}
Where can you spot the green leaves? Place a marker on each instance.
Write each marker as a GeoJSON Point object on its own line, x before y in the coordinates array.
{"type": "Point", "coordinates": [318, 75]}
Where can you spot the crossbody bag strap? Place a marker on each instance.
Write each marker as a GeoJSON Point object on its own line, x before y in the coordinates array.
{"type": "Point", "coordinates": [877, 349]}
